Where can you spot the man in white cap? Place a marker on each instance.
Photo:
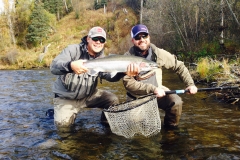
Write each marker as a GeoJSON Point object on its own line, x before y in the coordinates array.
{"type": "Point", "coordinates": [70, 89]}
{"type": "Point", "coordinates": [151, 82]}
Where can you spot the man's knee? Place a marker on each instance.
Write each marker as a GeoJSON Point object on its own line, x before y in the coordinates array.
{"type": "Point", "coordinates": [173, 110]}
{"type": "Point", "coordinates": [177, 107]}
{"type": "Point", "coordinates": [168, 102]}
{"type": "Point", "coordinates": [176, 99]}
{"type": "Point", "coordinates": [66, 125]}
{"type": "Point", "coordinates": [110, 99]}
{"type": "Point", "coordinates": [65, 112]}
{"type": "Point", "coordinates": [66, 121]}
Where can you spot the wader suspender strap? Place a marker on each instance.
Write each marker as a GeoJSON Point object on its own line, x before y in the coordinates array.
{"type": "Point", "coordinates": [154, 57]}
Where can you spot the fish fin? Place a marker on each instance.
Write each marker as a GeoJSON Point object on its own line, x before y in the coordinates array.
{"type": "Point", "coordinates": [113, 74]}
{"type": "Point", "coordinates": [93, 72]}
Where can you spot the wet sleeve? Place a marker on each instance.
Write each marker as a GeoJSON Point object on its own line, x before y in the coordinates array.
{"type": "Point", "coordinates": [184, 73]}
{"type": "Point", "coordinates": [61, 64]}
{"type": "Point", "coordinates": [169, 61]}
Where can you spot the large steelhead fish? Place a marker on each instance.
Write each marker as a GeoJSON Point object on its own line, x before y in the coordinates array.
{"type": "Point", "coordinates": [117, 63]}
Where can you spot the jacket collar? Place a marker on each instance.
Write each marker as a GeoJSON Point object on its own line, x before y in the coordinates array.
{"type": "Point", "coordinates": [137, 52]}
{"type": "Point", "coordinates": [151, 52]}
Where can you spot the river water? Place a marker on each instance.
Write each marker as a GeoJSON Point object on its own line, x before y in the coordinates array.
{"type": "Point", "coordinates": [208, 128]}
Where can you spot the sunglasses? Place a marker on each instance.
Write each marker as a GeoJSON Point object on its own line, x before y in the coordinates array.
{"type": "Point", "coordinates": [101, 39]}
{"type": "Point", "coordinates": [138, 37]}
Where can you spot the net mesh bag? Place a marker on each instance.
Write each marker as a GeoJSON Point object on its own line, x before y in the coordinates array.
{"type": "Point", "coordinates": [140, 116]}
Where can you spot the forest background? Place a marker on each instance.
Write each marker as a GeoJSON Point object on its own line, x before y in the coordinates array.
{"type": "Point", "coordinates": [33, 32]}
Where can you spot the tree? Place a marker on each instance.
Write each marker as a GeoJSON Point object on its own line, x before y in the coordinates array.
{"type": "Point", "coordinates": [23, 11]}
{"type": "Point", "coordinates": [96, 4]}
{"type": "Point", "coordinates": [66, 6]}
{"type": "Point", "coordinates": [101, 4]}
{"type": "Point", "coordinates": [55, 7]}
{"type": "Point", "coordinates": [39, 26]}
{"type": "Point", "coordinates": [10, 20]}
{"type": "Point", "coordinates": [141, 11]}
{"type": "Point", "coordinates": [5, 39]}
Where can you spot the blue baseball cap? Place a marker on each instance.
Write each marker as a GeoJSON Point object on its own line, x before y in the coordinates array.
{"type": "Point", "coordinates": [140, 28]}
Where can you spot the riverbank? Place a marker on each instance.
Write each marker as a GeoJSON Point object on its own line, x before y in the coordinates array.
{"type": "Point", "coordinates": [212, 73]}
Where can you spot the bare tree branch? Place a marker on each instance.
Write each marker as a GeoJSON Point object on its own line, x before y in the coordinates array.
{"type": "Point", "coordinates": [233, 14]}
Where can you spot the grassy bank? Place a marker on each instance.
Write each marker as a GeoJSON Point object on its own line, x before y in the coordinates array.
{"type": "Point", "coordinates": [70, 30]}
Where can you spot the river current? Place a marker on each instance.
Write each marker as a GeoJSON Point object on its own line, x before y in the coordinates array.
{"type": "Point", "coordinates": [209, 129]}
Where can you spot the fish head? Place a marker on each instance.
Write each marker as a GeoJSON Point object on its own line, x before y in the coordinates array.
{"type": "Point", "coordinates": [147, 66]}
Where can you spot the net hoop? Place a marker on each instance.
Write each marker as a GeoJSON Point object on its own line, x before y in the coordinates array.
{"type": "Point", "coordinates": [114, 109]}
{"type": "Point", "coordinates": [136, 117]}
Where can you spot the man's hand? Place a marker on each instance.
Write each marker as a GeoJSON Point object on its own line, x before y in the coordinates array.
{"type": "Point", "coordinates": [159, 92]}
{"type": "Point", "coordinates": [132, 69]}
{"type": "Point", "coordinates": [78, 67]}
{"type": "Point", "coordinates": [192, 89]}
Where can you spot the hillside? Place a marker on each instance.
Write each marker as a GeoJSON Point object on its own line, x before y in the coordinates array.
{"type": "Point", "coordinates": [70, 30]}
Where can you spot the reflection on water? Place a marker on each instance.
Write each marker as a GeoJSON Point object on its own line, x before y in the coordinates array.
{"type": "Point", "coordinates": [208, 129]}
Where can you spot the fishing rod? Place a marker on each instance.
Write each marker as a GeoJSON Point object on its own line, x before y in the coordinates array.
{"type": "Point", "coordinates": [181, 91]}
{"type": "Point", "coordinates": [166, 92]}
{"type": "Point", "coordinates": [200, 90]}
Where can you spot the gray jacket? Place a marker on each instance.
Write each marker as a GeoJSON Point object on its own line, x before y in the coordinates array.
{"type": "Point", "coordinates": [70, 85]}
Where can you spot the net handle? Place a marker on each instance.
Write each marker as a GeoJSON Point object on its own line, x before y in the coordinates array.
{"type": "Point", "coordinates": [200, 90]}
{"type": "Point", "coordinates": [180, 91]}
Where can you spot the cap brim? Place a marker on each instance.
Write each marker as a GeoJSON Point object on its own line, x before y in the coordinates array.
{"type": "Point", "coordinates": [138, 33]}
{"type": "Point", "coordinates": [97, 35]}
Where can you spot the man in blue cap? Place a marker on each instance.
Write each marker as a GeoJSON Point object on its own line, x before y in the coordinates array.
{"type": "Point", "coordinates": [151, 82]}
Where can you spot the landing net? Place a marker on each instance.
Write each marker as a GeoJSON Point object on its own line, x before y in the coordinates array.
{"type": "Point", "coordinates": [140, 116]}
